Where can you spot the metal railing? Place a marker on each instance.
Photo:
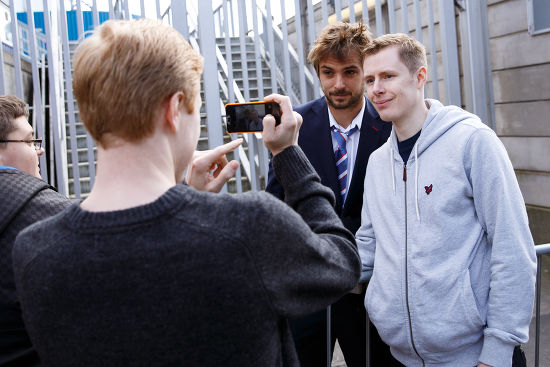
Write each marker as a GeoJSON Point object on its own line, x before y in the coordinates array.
{"type": "Point", "coordinates": [541, 250]}
{"type": "Point", "coordinates": [279, 57]}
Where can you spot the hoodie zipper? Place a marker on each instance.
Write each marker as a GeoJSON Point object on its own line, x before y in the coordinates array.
{"type": "Point", "coordinates": [407, 267]}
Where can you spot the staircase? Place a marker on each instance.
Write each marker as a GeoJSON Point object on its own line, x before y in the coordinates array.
{"type": "Point", "coordinates": [83, 142]}
{"type": "Point", "coordinates": [251, 66]}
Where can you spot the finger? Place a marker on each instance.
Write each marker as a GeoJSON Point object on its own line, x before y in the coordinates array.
{"type": "Point", "coordinates": [283, 101]}
{"type": "Point", "coordinates": [269, 98]}
{"type": "Point", "coordinates": [219, 165]}
{"type": "Point", "coordinates": [228, 147]}
{"type": "Point", "coordinates": [225, 174]}
{"type": "Point", "coordinates": [208, 158]}
{"type": "Point", "coordinates": [269, 125]}
{"type": "Point", "coordinates": [298, 118]}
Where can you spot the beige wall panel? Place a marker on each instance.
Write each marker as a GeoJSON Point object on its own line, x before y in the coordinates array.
{"type": "Point", "coordinates": [411, 16]}
{"type": "Point", "coordinates": [529, 153]}
{"type": "Point", "coordinates": [411, 13]}
{"type": "Point", "coordinates": [440, 70]}
{"type": "Point", "coordinates": [525, 84]}
{"type": "Point", "coordinates": [539, 218]}
{"type": "Point", "coordinates": [428, 93]}
{"type": "Point", "coordinates": [520, 49]}
{"type": "Point", "coordinates": [399, 18]}
{"type": "Point", "coordinates": [534, 187]}
{"type": "Point", "coordinates": [9, 77]}
{"type": "Point", "coordinates": [426, 38]}
{"type": "Point", "coordinates": [523, 119]}
{"type": "Point", "coordinates": [507, 17]}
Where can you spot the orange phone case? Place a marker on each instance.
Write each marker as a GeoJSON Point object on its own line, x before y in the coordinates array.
{"type": "Point", "coordinates": [240, 104]}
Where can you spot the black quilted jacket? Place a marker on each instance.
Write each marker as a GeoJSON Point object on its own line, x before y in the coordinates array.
{"type": "Point", "coordinates": [24, 200]}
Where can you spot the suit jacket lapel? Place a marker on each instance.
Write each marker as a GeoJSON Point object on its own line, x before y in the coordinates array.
{"type": "Point", "coordinates": [326, 167]}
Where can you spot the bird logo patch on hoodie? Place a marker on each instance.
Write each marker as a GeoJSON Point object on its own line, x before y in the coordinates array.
{"type": "Point", "coordinates": [428, 189]}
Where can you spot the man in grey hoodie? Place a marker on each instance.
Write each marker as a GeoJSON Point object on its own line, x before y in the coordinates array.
{"type": "Point", "coordinates": [445, 230]}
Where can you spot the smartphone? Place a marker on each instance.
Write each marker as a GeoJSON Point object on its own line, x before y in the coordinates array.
{"type": "Point", "coordinates": [247, 117]}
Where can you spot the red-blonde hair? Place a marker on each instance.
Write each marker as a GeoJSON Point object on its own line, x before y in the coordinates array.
{"type": "Point", "coordinates": [126, 70]}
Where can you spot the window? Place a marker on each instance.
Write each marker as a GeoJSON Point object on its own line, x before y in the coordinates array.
{"type": "Point", "coordinates": [538, 12]}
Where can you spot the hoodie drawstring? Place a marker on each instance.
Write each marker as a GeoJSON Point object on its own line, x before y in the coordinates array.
{"type": "Point", "coordinates": [392, 170]}
{"type": "Point", "coordinates": [416, 180]}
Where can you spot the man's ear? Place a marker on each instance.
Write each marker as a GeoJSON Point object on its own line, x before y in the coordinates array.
{"type": "Point", "coordinates": [421, 77]}
{"type": "Point", "coordinates": [172, 107]}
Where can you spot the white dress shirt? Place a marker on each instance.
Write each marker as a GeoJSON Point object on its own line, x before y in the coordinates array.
{"type": "Point", "coordinates": [352, 141]}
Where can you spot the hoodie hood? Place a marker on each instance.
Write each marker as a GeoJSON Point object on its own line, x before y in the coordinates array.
{"type": "Point", "coordinates": [438, 121]}
{"type": "Point", "coordinates": [457, 286]}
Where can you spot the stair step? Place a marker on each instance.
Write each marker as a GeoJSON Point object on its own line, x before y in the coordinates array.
{"type": "Point", "coordinates": [237, 72]}
{"type": "Point", "coordinates": [85, 186]}
{"type": "Point", "coordinates": [82, 154]}
{"type": "Point", "coordinates": [83, 170]}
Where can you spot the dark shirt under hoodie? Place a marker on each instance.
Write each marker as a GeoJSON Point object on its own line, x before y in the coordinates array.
{"type": "Point", "coordinates": [406, 146]}
{"type": "Point", "coordinates": [193, 278]}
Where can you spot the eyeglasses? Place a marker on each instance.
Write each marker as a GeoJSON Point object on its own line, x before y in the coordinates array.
{"type": "Point", "coordinates": [36, 142]}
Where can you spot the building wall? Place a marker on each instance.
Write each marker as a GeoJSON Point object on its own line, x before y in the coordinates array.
{"type": "Point", "coordinates": [9, 76]}
{"type": "Point", "coordinates": [520, 66]}
{"type": "Point", "coordinates": [399, 27]}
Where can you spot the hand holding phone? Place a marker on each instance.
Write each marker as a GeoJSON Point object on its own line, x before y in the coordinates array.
{"type": "Point", "coordinates": [278, 137]}
{"type": "Point", "coordinates": [248, 117]}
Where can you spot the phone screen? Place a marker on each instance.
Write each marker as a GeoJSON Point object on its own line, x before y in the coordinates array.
{"type": "Point", "coordinates": [247, 117]}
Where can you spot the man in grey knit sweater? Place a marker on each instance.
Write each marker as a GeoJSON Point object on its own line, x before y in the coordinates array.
{"type": "Point", "coordinates": [147, 272]}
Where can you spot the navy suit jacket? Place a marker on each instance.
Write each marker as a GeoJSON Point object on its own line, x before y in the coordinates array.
{"type": "Point", "coordinates": [316, 142]}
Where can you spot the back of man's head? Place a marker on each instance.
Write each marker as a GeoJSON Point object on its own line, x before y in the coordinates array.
{"type": "Point", "coordinates": [339, 40]}
{"type": "Point", "coordinates": [125, 71]}
{"type": "Point", "coordinates": [11, 108]}
{"type": "Point", "coordinates": [411, 52]}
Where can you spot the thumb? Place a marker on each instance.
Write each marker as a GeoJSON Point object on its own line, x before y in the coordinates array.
{"type": "Point", "coordinates": [269, 125]}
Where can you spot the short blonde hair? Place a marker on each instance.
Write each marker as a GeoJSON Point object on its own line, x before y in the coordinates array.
{"type": "Point", "coordinates": [411, 52]}
{"type": "Point", "coordinates": [126, 70]}
{"type": "Point", "coordinates": [339, 40]}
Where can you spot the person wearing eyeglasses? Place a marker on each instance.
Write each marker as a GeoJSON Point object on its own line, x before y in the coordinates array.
{"type": "Point", "coordinates": [24, 199]}
{"type": "Point", "coordinates": [18, 147]}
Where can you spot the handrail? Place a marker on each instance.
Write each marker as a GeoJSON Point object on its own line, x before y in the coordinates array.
{"type": "Point", "coordinates": [540, 250]}
{"type": "Point", "coordinates": [278, 72]}
{"type": "Point", "coordinates": [291, 50]}
{"type": "Point", "coordinates": [293, 93]}
{"type": "Point", "coordinates": [245, 163]}
{"type": "Point", "coordinates": [543, 249]}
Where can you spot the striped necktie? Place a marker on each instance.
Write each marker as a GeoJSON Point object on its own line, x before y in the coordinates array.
{"type": "Point", "coordinates": [341, 155]}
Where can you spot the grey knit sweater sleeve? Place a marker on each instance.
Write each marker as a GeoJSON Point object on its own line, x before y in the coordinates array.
{"type": "Point", "coordinates": [317, 259]}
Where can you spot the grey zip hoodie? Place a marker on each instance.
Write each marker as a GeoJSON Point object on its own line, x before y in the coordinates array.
{"type": "Point", "coordinates": [448, 238]}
